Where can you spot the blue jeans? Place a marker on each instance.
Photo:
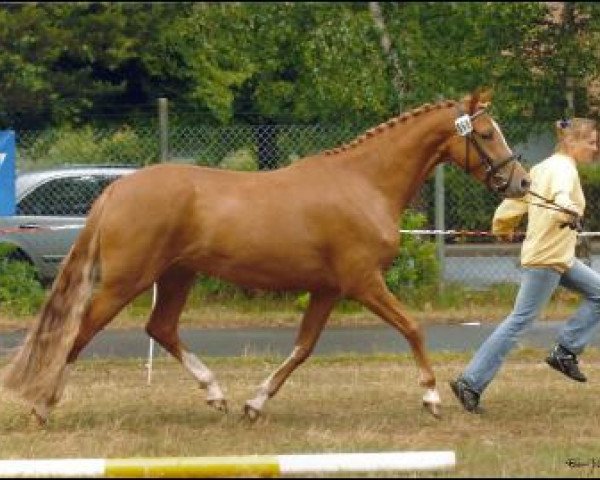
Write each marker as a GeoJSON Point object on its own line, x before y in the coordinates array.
{"type": "Point", "coordinates": [537, 286]}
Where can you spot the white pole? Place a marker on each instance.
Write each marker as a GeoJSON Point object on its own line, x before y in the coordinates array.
{"type": "Point", "coordinates": [151, 344]}
{"type": "Point", "coordinates": [231, 466]}
{"type": "Point", "coordinates": [149, 362]}
{"type": "Point", "coordinates": [365, 462]}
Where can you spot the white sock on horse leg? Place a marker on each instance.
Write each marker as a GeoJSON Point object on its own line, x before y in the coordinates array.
{"type": "Point", "coordinates": [432, 396]}
{"type": "Point", "coordinates": [262, 395]}
{"type": "Point", "coordinates": [203, 374]}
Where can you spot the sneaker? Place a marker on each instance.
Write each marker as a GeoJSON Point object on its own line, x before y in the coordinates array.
{"type": "Point", "coordinates": [468, 397]}
{"type": "Point", "coordinates": [565, 362]}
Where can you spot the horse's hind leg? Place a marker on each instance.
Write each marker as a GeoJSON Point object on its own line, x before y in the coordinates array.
{"type": "Point", "coordinates": [376, 296]}
{"type": "Point", "coordinates": [317, 313]}
{"type": "Point", "coordinates": [172, 290]}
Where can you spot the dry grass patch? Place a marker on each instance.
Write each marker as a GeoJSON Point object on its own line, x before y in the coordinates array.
{"type": "Point", "coordinates": [535, 421]}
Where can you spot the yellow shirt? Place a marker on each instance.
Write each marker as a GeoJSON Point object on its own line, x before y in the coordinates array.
{"type": "Point", "coordinates": [545, 244]}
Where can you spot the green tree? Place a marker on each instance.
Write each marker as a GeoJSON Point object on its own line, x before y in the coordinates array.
{"type": "Point", "coordinates": [275, 63]}
{"type": "Point", "coordinates": [282, 62]}
{"type": "Point", "coordinates": [60, 61]}
{"type": "Point", "coordinates": [204, 53]}
{"type": "Point", "coordinates": [524, 50]}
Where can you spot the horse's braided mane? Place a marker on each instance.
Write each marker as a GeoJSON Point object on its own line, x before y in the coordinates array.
{"type": "Point", "coordinates": [382, 127]}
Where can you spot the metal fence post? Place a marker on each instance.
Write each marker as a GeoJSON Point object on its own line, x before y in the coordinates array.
{"type": "Point", "coordinates": [440, 221]}
{"type": "Point", "coordinates": [163, 129]}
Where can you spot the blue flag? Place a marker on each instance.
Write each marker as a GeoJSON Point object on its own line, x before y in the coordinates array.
{"type": "Point", "coordinates": [7, 172]}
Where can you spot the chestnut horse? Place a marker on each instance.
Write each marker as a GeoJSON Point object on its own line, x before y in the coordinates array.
{"type": "Point", "coordinates": [327, 224]}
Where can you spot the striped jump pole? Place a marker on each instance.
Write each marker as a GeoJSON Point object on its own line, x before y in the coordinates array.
{"type": "Point", "coordinates": [230, 466]}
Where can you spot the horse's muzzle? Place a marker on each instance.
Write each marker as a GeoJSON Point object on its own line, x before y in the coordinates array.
{"type": "Point", "coordinates": [516, 185]}
{"type": "Point", "coordinates": [509, 178]}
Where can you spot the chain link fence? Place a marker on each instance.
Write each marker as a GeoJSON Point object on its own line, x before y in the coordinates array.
{"type": "Point", "coordinates": [467, 205]}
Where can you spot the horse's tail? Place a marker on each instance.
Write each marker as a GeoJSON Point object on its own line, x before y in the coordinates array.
{"type": "Point", "coordinates": [35, 370]}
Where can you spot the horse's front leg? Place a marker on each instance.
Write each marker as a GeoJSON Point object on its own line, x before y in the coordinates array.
{"type": "Point", "coordinates": [317, 313]}
{"type": "Point", "coordinates": [375, 295]}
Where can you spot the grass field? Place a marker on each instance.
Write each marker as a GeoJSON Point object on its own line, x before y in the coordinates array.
{"type": "Point", "coordinates": [536, 422]}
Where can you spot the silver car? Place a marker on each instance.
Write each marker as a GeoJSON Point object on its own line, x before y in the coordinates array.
{"type": "Point", "coordinates": [58, 197]}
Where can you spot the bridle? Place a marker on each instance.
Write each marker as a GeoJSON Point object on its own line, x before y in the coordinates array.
{"type": "Point", "coordinates": [464, 128]}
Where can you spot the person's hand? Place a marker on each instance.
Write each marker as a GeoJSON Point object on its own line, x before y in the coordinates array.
{"type": "Point", "coordinates": [576, 223]}
{"type": "Point", "coordinates": [510, 237]}
{"type": "Point", "coordinates": [504, 237]}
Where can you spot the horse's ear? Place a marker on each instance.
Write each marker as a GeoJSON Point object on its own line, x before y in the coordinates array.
{"type": "Point", "coordinates": [481, 98]}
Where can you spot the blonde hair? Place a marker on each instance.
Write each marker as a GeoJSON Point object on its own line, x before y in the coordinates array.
{"type": "Point", "coordinates": [573, 129]}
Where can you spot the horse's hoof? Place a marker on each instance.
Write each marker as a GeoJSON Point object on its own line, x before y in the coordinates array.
{"type": "Point", "coordinates": [251, 413]}
{"type": "Point", "coordinates": [219, 404]}
{"type": "Point", "coordinates": [433, 408]}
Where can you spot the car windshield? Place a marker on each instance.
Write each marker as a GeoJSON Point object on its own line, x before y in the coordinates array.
{"type": "Point", "coordinates": [64, 196]}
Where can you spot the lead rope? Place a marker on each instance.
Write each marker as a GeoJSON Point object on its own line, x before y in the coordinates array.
{"type": "Point", "coordinates": [477, 233]}
{"type": "Point", "coordinates": [549, 204]}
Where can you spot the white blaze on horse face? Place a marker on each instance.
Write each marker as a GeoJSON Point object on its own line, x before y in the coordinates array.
{"type": "Point", "coordinates": [203, 374]}
{"type": "Point", "coordinates": [499, 132]}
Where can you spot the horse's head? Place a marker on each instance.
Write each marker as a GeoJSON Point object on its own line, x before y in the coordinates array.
{"type": "Point", "coordinates": [479, 147]}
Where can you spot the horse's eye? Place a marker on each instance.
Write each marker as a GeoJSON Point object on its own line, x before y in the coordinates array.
{"type": "Point", "coordinates": [488, 135]}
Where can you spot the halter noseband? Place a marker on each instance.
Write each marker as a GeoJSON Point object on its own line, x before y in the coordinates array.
{"type": "Point", "coordinates": [464, 128]}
